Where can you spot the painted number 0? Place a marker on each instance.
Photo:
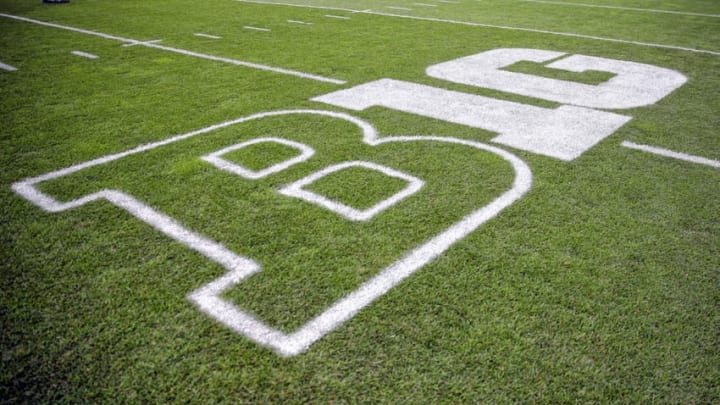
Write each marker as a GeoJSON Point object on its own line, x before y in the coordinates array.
{"type": "Point", "coordinates": [564, 132]}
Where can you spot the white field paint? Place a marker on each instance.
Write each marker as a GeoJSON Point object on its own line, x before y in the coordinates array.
{"type": "Point", "coordinates": [634, 84]}
{"type": "Point", "coordinates": [494, 26]}
{"type": "Point", "coordinates": [424, 5]}
{"type": "Point", "coordinates": [180, 51]}
{"type": "Point", "coordinates": [153, 41]}
{"type": "Point", "coordinates": [250, 27]}
{"type": "Point", "coordinates": [339, 17]}
{"type": "Point", "coordinates": [299, 22]}
{"type": "Point", "coordinates": [562, 133]}
{"type": "Point", "coordinates": [7, 67]}
{"type": "Point", "coordinates": [203, 35]}
{"type": "Point", "coordinates": [672, 154]}
{"type": "Point", "coordinates": [216, 159]}
{"type": "Point", "coordinates": [296, 190]}
{"type": "Point", "coordinates": [448, 1]}
{"type": "Point", "coordinates": [208, 299]}
{"type": "Point", "coordinates": [84, 54]}
{"type": "Point", "coordinates": [645, 10]}
{"type": "Point", "coordinates": [398, 8]}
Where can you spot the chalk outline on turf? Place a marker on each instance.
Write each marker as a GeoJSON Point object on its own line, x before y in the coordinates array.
{"type": "Point", "coordinates": [207, 298]}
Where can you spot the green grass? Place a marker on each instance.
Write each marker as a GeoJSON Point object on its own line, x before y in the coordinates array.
{"type": "Point", "coordinates": [599, 286]}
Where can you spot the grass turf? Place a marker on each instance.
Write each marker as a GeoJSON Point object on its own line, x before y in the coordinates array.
{"type": "Point", "coordinates": [600, 285]}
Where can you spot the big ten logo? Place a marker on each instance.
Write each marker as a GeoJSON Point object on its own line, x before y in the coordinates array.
{"type": "Point", "coordinates": [312, 215]}
{"type": "Point", "coordinates": [564, 132]}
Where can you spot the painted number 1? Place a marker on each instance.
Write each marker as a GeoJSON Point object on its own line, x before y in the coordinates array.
{"type": "Point", "coordinates": [564, 132]}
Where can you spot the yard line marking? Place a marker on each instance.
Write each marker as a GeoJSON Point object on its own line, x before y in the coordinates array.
{"type": "Point", "coordinates": [8, 68]}
{"type": "Point", "coordinates": [299, 22]}
{"type": "Point", "coordinates": [502, 27]}
{"type": "Point", "coordinates": [248, 64]}
{"type": "Point", "coordinates": [398, 8]}
{"type": "Point", "coordinates": [154, 41]}
{"type": "Point", "coordinates": [648, 10]}
{"type": "Point", "coordinates": [200, 34]}
{"type": "Point", "coordinates": [250, 27]}
{"type": "Point", "coordinates": [672, 154]}
{"type": "Point", "coordinates": [84, 54]}
{"type": "Point", "coordinates": [424, 5]}
{"type": "Point", "coordinates": [340, 17]}
{"type": "Point", "coordinates": [154, 45]}
{"type": "Point", "coordinates": [448, 1]}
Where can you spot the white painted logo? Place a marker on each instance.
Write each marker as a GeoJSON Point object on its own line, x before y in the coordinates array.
{"type": "Point", "coordinates": [208, 297]}
{"type": "Point", "coordinates": [216, 159]}
{"type": "Point", "coordinates": [296, 190]}
{"type": "Point", "coordinates": [564, 132]}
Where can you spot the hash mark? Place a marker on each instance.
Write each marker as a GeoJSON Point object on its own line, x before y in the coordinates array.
{"type": "Point", "coordinates": [84, 54]}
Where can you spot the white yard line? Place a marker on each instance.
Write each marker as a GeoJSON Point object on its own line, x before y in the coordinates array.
{"type": "Point", "coordinates": [202, 35]}
{"type": "Point", "coordinates": [154, 41]}
{"type": "Point", "coordinates": [646, 10]}
{"type": "Point", "coordinates": [672, 154]}
{"type": "Point", "coordinates": [482, 25]}
{"type": "Point", "coordinates": [424, 5]}
{"type": "Point", "coordinates": [154, 45]}
{"type": "Point", "coordinates": [398, 8]}
{"type": "Point", "coordinates": [84, 54]}
{"type": "Point", "coordinates": [8, 68]}
{"type": "Point", "coordinates": [339, 17]}
{"type": "Point", "coordinates": [248, 64]}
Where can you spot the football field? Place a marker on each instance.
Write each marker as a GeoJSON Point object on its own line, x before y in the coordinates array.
{"type": "Point", "coordinates": [360, 201]}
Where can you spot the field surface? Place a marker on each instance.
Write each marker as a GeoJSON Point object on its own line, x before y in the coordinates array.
{"type": "Point", "coordinates": [360, 201]}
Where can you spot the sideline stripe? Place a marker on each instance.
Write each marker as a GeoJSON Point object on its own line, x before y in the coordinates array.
{"type": "Point", "coordinates": [672, 154]}
{"type": "Point", "coordinates": [647, 10]}
{"type": "Point", "coordinates": [180, 51]}
{"type": "Point", "coordinates": [502, 27]}
{"type": "Point", "coordinates": [84, 54]}
{"type": "Point", "coordinates": [9, 68]}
